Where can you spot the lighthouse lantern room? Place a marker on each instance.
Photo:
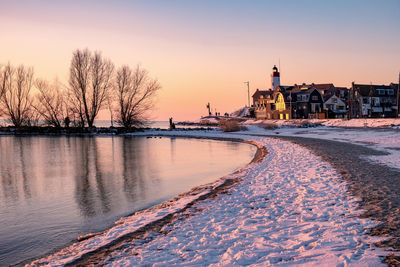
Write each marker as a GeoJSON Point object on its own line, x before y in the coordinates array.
{"type": "Point", "coordinates": [275, 78]}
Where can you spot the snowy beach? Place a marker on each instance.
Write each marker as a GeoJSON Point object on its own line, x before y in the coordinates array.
{"type": "Point", "coordinates": [291, 208]}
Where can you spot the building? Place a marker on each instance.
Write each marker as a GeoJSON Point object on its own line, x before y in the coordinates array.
{"type": "Point", "coordinates": [275, 78]}
{"type": "Point", "coordinates": [307, 101]}
{"type": "Point", "coordinates": [373, 101]}
{"type": "Point", "coordinates": [271, 104]}
{"type": "Point", "coordinates": [335, 107]}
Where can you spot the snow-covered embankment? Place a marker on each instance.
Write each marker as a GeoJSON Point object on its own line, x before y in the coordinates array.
{"type": "Point", "coordinates": [291, 208]}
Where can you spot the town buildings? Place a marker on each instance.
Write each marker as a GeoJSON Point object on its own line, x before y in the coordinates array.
{"type": "Point", "coordinates": [373, 101]}
{"type": "Point", "coordinates": [271, 104]}
{"type": "Point", "coordinates": [324, 100]}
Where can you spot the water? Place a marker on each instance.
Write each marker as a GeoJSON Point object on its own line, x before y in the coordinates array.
{"type": "Point", "coordinates": [54, 189]}
{"type": "Point", "coordinates": [151, 124]}
{"type": "Point", "coordinates": [107, 123]}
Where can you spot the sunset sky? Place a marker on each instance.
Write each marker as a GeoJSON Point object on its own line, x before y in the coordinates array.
{"type": "Point", "coordinates": [203, 51]}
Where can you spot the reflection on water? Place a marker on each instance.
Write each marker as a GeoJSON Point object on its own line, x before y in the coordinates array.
{"type": "Point", "coordinates": [53, 189]}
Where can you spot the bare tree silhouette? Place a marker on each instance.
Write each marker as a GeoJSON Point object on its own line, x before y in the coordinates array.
{"type": "Point", "coordinates": [5, 73]}
{"type": "Point", "coordinates": [110, 104]}
{"type": "Point", "coordinates": [135, 91]}
{"type": "Point", "coordinates": [90, 81]}
{"type": "Point", "coordinates": [16, 98]}
{"type": "Point", "coordinates": [50, 102]}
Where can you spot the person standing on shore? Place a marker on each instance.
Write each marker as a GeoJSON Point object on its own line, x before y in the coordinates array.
{"type": "Point", "coordinates": [171, 124]}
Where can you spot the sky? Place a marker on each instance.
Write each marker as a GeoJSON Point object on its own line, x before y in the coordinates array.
{"type": "Point", "coordinates": [203, 51]}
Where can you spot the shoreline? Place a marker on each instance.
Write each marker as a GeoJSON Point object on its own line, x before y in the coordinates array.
{"type": "Point", "coordinates": [375, 184]}
{"type": "Point", "coordinates": [145, 237]}
{"type": "Point", "coordinates": [189, 209]}
{"type": "Point", "coordinates": [77, 131]}
{"type": "Point", "coordinates": [197, 194]}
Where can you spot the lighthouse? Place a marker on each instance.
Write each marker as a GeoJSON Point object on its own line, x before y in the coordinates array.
{"type": "Point", "coordinates": [275, 78]}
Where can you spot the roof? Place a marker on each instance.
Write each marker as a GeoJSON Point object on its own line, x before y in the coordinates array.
{"type": "Point", "coordinates": [285, 87]}
{"type": "Point", "coordinates": [308, 88]}
{"type": "Point", "coordinates": [337, 91]}
{"type": "Point", "coordinates": [329, 97]}
{"type": "Point", "coordinates": [371, 89]}
{"type": "Point", "coordinates": [263, 93]}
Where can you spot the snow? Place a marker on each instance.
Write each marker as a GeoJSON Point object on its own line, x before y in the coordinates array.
{"type": "Point", "coordinates": [357, 123]}
{"type": "Point", "coordinates": [240, 113]}
{"type": "Point", "coordinates": [382, 139]}
{"type": "Point", "coordinates": [123, 227]}
{"type": "Point", "coordinates": [285, 211]}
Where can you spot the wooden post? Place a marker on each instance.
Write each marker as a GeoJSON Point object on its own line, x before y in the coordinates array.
{"type": "Point", "coordinates": [248, 92]}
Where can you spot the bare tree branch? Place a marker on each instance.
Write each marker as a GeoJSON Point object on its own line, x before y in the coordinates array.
{"type": "Point", "coordinates": [135, 91]}
{"type": "Point", "coordinates": [16, 99]}
{"type": "Point", "coordinates": [90, 82]}
{"type": "Point", "coordinates": [50, 102]}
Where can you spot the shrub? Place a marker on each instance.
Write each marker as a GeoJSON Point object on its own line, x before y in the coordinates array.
{"type": "Point", "coordinates": [230, 126]}
{"type": "Point", "coordinates": [269, 126]}
{"type": "Point", "coordinates": [307, 124]}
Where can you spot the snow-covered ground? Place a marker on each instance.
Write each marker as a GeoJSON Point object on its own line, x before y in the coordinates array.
{"type": "Point", "coordinates": [383, 139]}
{"type": "Point", "coordinates": [285, 211]}
{"type": "Point", "coordinates": [356, 123]}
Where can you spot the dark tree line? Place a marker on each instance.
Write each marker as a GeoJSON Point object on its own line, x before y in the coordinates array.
{"type": "Point", "coordinates": [94, 84]}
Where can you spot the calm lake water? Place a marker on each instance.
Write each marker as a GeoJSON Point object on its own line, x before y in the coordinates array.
{"type": "Point", "coordinates": [54, 189]}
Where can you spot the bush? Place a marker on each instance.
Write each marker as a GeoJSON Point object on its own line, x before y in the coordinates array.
{"type": "Point", "coordinates": [231, 126]}
{"type": "Point", "coordinates": [269, 126]}
{"type": "Point", "coordinates": [307, 124]}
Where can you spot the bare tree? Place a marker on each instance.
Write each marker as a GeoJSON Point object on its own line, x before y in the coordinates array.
{"type": "Point", "coordinates": [90, 80]}
{"type": "Point", "coordinates": [110, 103]}
{"type": "Point", "coordinates": [50, 102]}
{"type": "Point", "coordinates": [16, 98]}
{"type": "Point", "coordinates": [5, 72]}
{"type": "Point", "coordinates": [74, 108]}
{"type": "Point", "coordinates": [135, 91]}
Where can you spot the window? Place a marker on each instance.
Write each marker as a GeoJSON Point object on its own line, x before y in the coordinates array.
{"type": "Point", "coordinates": [280, 103]}
{"type": "Point", "coordinates": [381, 91]}
{"type": "Point", "coordinates": [390, 92]}
{"type": "Point", "coordinates": [314, 97]}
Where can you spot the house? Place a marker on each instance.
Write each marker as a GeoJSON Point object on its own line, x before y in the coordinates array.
{"type": "Point", "coordinates": [300, 101]}
{"type": "Point", "coordinates": [335, 107]}
{"type": "Point", "coordinates": [307, 101]}
{"type": "Point", "coordinates": [260, 95]}
{"type": "Point", "coordinates": [373, 101]}
{"type": "Point", "coordinates": [270, 104]}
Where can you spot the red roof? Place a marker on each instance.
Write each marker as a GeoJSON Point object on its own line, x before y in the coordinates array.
{"type": "Point", "coordinates": [275, 74]}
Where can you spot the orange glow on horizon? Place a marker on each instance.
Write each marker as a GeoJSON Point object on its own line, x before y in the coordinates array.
{"type": "Point", "coordinates": [195, 63]}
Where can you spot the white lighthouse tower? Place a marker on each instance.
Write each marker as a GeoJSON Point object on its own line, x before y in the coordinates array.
{"type": "Point", "coordinates": [275, 78]}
